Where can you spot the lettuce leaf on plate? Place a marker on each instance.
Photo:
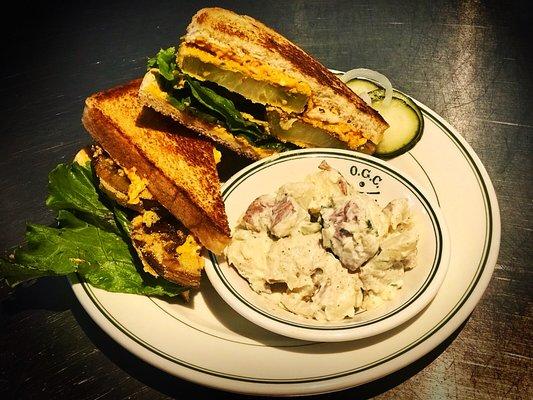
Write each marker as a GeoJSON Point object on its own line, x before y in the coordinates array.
{"type": "Point", "coordinates": [91, 238]}
{"type": "Point", "coordinates": [73, 187]}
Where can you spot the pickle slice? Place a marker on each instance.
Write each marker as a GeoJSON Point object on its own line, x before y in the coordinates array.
{"type": "Point", "coordinates": [405, 120]}
{"type": "Point", "coordinates": [301, 134]}
{"type": "Point", "coordinates": [255, 90]}
{"type": "Point", "coordinates": [361, 86]}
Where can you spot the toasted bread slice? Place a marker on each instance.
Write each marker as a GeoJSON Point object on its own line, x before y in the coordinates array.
{"type": "Point", "coordinates": [179, 168]}
{"type": "Point", "coordinates": [239, 43]}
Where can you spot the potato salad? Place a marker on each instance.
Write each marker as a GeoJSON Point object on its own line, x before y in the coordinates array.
{"type": "Point", "coordinates": [320, 249]}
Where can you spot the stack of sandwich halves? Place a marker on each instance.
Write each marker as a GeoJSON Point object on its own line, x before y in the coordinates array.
{"type": "Point", "coordinates": [232, 81]}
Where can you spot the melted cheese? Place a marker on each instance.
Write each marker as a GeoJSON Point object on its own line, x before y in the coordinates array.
{"type": "Point", "coordinates": [189, 254]}
{"type": "Point", "coordinates": [82, 157]}
{"type": "Point", "coordinates": [217, 154]}
{"type": "Point", "coordinates": [149, 218]}
{"type": "Point", "coordinates": [138, 188]}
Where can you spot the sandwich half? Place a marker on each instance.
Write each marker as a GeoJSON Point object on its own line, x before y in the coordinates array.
{"type": "Point", "coordinates": [245, 86]}
{"type": "Point", "coordinates": [164, 175]}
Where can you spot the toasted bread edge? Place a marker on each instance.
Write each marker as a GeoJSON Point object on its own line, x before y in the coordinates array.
{"type": "Point", "coordinates": [152, 96]}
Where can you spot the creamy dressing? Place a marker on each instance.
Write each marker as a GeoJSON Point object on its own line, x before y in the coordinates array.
{"type": "Point", "coordinates": [319, 249]}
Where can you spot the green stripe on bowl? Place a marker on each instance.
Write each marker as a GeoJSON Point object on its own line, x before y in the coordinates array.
{"type": "Point", "coordinates": [437, 229]}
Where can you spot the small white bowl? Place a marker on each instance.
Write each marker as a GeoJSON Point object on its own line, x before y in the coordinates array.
{"type": "Point", "coordinates": [369, 175]}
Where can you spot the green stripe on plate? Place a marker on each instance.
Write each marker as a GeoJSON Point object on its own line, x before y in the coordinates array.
{"type": "Point", "coordinates": [479, 272]}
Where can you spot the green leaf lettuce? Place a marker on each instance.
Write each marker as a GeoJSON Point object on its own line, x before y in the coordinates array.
{"type": "Point", "coordinates": [91, 238]}
{"type": "Point", "coordinates": [184, 92]}
{"type": "Point", "coordinates": [165, 61]}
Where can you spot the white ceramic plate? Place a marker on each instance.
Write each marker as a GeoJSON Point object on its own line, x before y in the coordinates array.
{"type": "Point", "coordinates": [208, 343]}
{"type": "Point", "coordinates": [366, 174]}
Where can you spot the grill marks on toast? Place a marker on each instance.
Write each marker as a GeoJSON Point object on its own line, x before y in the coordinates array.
{"type": "Point", "coordinates": [179, 167]}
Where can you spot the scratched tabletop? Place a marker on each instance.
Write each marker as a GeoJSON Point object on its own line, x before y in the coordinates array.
{"type": "Point", "coordinates": [470, 61]}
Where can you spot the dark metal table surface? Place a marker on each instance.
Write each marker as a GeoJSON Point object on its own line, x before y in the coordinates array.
{"type": "Point", "coordinates": [469, 61]}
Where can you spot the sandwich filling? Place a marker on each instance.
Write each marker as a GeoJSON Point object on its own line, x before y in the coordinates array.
{"type": "Point", "coordinates": [164, 246]}
{"type": "Point", "coordinates": [301, 134]}
{"type": "Point", "coordinates": [245, 75]}
{"type": "Point", "coordinates": [261, 111]}
{"type": "Point", "coordinates": [252, 88]}
{"type": "Point", "coordinates": [212, 102]}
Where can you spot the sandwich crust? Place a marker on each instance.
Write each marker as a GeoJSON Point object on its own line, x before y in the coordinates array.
{"type": "Point", "coordinates": [180, 168]}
